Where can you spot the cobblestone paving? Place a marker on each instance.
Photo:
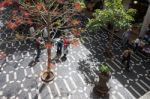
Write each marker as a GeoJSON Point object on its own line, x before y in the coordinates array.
{"type": "Point", "coordinates": [75, 77]}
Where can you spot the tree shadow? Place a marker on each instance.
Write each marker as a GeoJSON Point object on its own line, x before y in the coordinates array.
{"type": "Point", "coordinates": [32, 63]}
{"type": "Point", "coordinates": [40, 90]}
{"type": "Point", "coordinates": [94, 96]}
{"type": "Point", "coordinates": [63, 58]}
{"type": "Point", "coordinates": [96, 43]}
{"type": "Point", "coordinates": [56, 59]}
{"type": "Point", "coordinates": [89, 68]}
{"type": "Point", "coordinates": [84, 68]}
{"type": "Point", "coordinates": [16, 50]}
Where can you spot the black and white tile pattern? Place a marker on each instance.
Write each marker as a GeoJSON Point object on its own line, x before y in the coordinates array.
{"type": "Point", "coordinates": [75, 77]}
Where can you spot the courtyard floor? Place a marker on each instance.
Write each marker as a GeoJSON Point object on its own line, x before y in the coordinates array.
{"type": "Point", "coordinates": [75, 77]}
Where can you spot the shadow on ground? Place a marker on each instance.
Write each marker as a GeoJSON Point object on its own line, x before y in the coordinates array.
{"type": "Point", "coordinates": [96, 43]}
{"type": "Point", "coordinates": [40, 90]}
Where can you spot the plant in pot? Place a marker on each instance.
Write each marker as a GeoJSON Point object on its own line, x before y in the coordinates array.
{"type": "Point", "coordinates": [101, 87]}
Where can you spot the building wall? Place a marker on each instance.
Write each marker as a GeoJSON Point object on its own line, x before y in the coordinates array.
{"type": "Point", "coordinates": [146, 23]}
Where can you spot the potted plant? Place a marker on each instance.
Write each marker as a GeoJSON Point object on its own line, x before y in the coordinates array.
{"type": "Point", "coordinates": [101, 87]}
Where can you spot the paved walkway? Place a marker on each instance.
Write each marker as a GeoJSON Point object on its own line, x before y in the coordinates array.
{"type": "Point", "coordinates": [145, 96]}
{"type": "Point", "coordinates": [75, 77]}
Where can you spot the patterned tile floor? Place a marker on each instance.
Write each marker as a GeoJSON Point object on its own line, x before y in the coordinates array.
{"type": "Point", "coordinates": [75, 77]}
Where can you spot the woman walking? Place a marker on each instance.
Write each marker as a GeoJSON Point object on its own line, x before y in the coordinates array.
{"type": "Point", "coordinates": [126, 56]}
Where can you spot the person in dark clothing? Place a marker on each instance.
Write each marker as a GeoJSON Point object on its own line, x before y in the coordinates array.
{"type": "Point", "coordinates": [59, 47]}
{"type": "Point", "coordinates": [137, 43]}
{"type": "Point", "coordinates": [66, 44]}
{"type": "Point", "coordinates": [38, 48]}
{"type": "Point", "coordinates": [126, 57]}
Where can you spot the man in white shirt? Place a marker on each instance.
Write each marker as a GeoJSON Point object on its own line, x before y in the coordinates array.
{"type": "Point", "coordinates": [45, 33]}
{"type": "Point", "coordinates": [1, 24]}
{"type": "Point", "coordinates": [137, 43]}
{"type": "Point", "coordinates": [32, 30]}
{"type": "Point", "coordinates": [125, 37]}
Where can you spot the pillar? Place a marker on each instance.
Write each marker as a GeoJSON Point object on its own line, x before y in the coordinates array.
{"type": "Point", "coordinates": [146, 22]}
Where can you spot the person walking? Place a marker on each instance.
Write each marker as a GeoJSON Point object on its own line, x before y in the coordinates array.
{"type": "Point", "coordinates": [125, 37]}
{"type": "Point", "coordinates": [32, 31]}
{"type": "Point", "coordinates": [137, 43]}
{"type": "Point", "coordinates": [66, 44]}
{"type": "Point", "coordinates": [45, 33]}
{"type": "Point", "coordinates": [59, 47]}
{"type": "Point", "coordinates": [126, 56]}
{"type": "Point", "coordinates": [38, 48]}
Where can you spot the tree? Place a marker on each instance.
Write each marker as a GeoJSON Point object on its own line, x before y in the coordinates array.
{"type": "Point", "coordinates": [91, 5]}
{"type": "Point", "coordinates": [56, 15]}
{"type": "Point", "coordinates": [114, 16]}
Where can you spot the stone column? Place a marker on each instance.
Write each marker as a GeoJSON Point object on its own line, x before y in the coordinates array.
{"type": "Point", "coordinates": [146, 22]}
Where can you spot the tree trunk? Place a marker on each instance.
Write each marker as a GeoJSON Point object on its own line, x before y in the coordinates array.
{"type": "Point", "coordinates": [111, 40]}
{"type": "Point", "coordinates": [49, 42]}
{"type": "Point", "coordinates": [49, 58]}
{"type": "Point", "coordinates": [108, 52]}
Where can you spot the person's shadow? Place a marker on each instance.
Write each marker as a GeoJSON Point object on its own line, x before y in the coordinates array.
{"type": "Point", "coordinates": [32, 63]}
{"type": "Point", "coordinates": [56, 59]}
{"type": "Point", "coordinates": [64, 58]}
{"type": "Point", "coordinates": [95, 96]}
{"type": "Point", "coordinates": [40, 90]}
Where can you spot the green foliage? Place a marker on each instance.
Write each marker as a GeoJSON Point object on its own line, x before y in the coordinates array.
{"type": "Point", "coordinates": [104, 68]}
{"type": "Point", "coordinates": [114, 13]}
{"type": "Point", "coordinates": [82, 3]}
{"type": "Point", "coordinates": [21, 1]}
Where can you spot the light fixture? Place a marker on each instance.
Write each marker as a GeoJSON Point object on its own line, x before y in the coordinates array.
{"type": "Point", "coordinates": [135, 1]}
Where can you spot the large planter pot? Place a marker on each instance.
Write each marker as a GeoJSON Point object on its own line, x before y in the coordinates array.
{"type": "Point", "coordinates": [101, 88]}
{"type": "Point", "coordinates": [47, 76]}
